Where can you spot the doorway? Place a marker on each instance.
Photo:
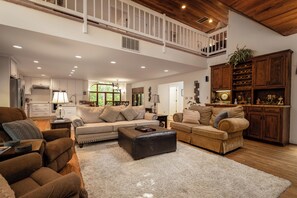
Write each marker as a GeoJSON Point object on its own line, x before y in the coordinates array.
{"type": "Point", "coordinates": [171, 98]}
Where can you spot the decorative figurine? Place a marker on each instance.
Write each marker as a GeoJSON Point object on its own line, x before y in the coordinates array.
{"type": "Point", "coordinates": [258, 101]}
{"type": "Point", "coordinates": [280, 101]}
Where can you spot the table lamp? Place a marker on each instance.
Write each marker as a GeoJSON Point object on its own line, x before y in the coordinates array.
{"type": "Point", "coordinates": [155, 100]}
{"type": "Point", "coordinates": [60, 98]}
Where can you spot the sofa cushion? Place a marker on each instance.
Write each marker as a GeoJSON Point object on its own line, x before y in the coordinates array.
{"type": "Point", "coordinates": [5, 190]}
{"type": "Point", "coordinates": [92, 128]}
{"type": "Point", "coordinates": [129, 113]}
{"type": "Point", "coordinates": [90, 114]}
{"type": "Point", "coordinates": [220, 117]}
{"type": "Point", "coordinates": [233, 112]}
{"type": "Point", "coordinates": [119, 124]}
{"type": "Point", "coordinates": [145, 122]}
{"type": "Point", "coordinates": [28, 183]}
{"type": "Point", "coordinates": [22, 130]}
{"type": "Point", "coordinates": [140, 110]}
{"type": "Point", "coordinates": [110, 114]}
{"type": "Point", "coordinates": [209, 131]}
{"type": "Point", "coordinates": [191, 116]}
{"type": "Point", "coordinates": [185, 127]}
{"type": "Point", "coordinates": [205, 113]}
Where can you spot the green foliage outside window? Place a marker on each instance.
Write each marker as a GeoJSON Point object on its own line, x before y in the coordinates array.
{"type": "Point", "coordinates": [104, 94]}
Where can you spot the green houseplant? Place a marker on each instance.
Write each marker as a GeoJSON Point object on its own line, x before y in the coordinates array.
{"type": "Point", "coordinates": [240, 55]}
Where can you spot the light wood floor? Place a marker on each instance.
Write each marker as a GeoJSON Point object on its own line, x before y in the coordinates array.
{"type": "Point", "coordinates": [276, 160]}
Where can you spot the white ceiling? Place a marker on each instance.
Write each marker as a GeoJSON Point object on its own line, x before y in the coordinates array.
{"type": "Point", "coordinates": [56, 56]}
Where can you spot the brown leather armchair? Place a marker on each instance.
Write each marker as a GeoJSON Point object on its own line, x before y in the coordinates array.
{"type": "Point", "coordinates": [58, 145]}
{"type": "Point", "coordinates": [27, 178]}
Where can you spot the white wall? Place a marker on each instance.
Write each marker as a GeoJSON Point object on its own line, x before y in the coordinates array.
{"type": "Point", "coordinates": [4, 81]}
{"type": "Point", "coordinates": [187, 78]}
{"type": "Point", "coordinates": [263, 41]}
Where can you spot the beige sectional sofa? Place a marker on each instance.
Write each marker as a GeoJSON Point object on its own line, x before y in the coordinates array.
{"type": "Point", "coordinates": [226, 137]}
{"type": "Point", "coordinates": [90, 124]}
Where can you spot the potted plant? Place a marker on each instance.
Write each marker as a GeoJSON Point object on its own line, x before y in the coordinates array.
{"type": "Point", "coordinates": [241, 55]}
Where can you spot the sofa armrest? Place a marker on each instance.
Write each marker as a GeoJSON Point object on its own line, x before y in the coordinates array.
{"type": "Point", "coordinates": [178, 117]}
{"type": "Point", "coordinates": [150, 116]}
{"type": "Point", "coordinates": [232, 125]}
{"type": "Point", "coordinates": [20, 167]}
{"type": "Point", "coordinates": [53, 134]}
{"type": "Point", "coordinates": [76, 121]}
{"type": "Point", "coordinates": [65, 186]}
{"type": "Point", "coordinates": [57, 147]}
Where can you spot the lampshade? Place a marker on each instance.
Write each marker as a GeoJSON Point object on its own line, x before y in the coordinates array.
{"type": "Point", "coordinates": [155, 98]}
{"type": "Point", "coordinates": [60, 97]}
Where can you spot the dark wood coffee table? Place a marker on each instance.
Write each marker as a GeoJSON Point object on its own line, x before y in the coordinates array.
{"type": "Point", "coordinates": [143, 144]}
{"type": "Point", "coordinates": [37, 146]}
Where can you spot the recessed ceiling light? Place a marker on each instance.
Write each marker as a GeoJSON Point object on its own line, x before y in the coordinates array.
{"type": "Point", "coordinates": [113, 62]}
{"type": "Point", "coordinates": [70, 75]}
{"type": "Point", "coordinates": [39, 68]}
{"type": "Point", "coordinates": [43, 75]}
{"type": "Point", "coordinates": [75, 67]}
{"type": "Point", "coordinates": [143, 67]}
{"type": "Point", "coordinates": [210, 20]}
{"type": "Point", "coordinates": [36, 61]}
{"type": "Point", "coordinates": [166, 70]}
{"type": "Point", "coordinates": [17, 46]}
{"type": "Point", "coordinates": [77, 56]}
{"type": "Point", "coordinates": [73, 70]}
{"type": "Point", "coordinates": [183, 6]}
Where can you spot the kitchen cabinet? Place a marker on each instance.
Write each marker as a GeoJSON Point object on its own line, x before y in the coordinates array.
{"type": "Point", "coordinates": [272, 70]}
{"type": "Point", "coordinates": [55, 84]}
{"type": "Point", "coordinates": [63, 85]}
{"type": "Point", "coordinates": [221, 77]}
{"type": "Point", "coordinates": [269, 124]}
{"type": "Point", "coordinates": [28, 85]}
{"type": "Point", "coordinates": [39, 110]}
{"type": "Point", "coordinates": [71, 87]}
{"type": "Point", "coordinates": [13, 69]}
{"type": "Point", "coordinates": [69, 111]}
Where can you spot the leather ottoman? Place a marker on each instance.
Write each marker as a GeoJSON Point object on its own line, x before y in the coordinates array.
{"type": "Point", "coordinates": [143, 144]}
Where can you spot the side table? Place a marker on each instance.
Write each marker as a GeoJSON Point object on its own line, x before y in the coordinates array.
{"type": "Point", "coordinates": [163, 120]}
{"type": "Point", "coordinates": [58, 124]}
{"type": "Point", "coordinates": [37, 146]}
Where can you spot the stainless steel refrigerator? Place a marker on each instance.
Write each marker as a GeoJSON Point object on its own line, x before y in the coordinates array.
{"type": "Point", "coordinates": [17, 95]}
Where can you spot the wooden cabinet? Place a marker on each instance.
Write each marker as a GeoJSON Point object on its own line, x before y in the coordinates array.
{"type": "Point", "coordinates": [271, 70]}
{"type": "Point", "coordinates": [269, 124]}
{"type": "Point", "coordinates": [221, 77]}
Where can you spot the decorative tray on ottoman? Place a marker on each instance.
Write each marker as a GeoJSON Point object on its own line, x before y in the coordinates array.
{"type": "Point", "coordinates": [144, 129]}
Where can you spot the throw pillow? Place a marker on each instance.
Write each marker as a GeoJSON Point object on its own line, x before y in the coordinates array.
{"type": "Point", "coordinates": [220, 117]}
{"type": "Point", "coordinates": [233, 112]}
{"type": "Point", "coordinates": [5, 190]}
{"type": "Point", "coordinates": [205, 113]}
{"type": "Point", "coordinates": [191, 116]}
{"type": "Point", "coordinates": [90, 114]}
{"type": "Point", "coordinates": [110, 114]}
{"type": "Point", "coordinates": [129, 113]}
{"type": "Point", "coordinates": [140, 110]}
{"type": "Point", "coordinates": [22, 130]}
{"type": "Point", "coordinates": [76, 121]}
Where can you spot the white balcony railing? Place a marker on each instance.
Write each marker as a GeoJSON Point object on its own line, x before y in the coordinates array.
{"type": "Point", "coordinates": [131, 17]}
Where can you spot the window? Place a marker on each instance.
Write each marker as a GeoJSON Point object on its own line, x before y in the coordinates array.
{"type": "Point", "coordinates": [104, 94]}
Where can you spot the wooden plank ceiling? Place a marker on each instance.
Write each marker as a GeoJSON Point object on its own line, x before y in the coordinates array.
{"type": "Point", "coordinates": [278, 15]}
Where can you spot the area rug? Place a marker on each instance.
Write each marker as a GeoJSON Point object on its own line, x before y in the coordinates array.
{"type": "Point", "coordinates": [190, 172]}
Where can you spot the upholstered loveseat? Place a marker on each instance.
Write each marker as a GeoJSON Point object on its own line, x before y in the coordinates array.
{"type": "Point", "coordinates": [93, 124]}
{"type": "Point", "coordinates": [225, 137]}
